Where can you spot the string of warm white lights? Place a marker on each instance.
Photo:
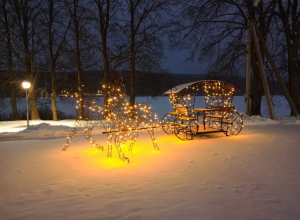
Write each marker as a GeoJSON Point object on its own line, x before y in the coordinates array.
{"type": "Point", "coordinates": [184, 120]}
{"type": "Point", "coordinates": [120, 120]}
{"type": "Point", "coordinates": [91, 120]}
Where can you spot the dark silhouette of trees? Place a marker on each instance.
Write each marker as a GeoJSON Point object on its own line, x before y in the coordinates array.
{"type": "Point", "coordinates": [56, 26]}
{"type": "Point", "coordinates": [115, 34]}
{"type": "Point", "coordinates": [6, 38]}
{"type": "Point", "coordinates": [78, 39]}
{"type": "Point", "coordinates": [215, 32]}
{"type": "Point", "coordinates": [289, 14]}
{"type": "Point", "coordinates": [28, 42]}
{"type": "Point", "coordinates": [145, 23]}
{"type": "Point", "coordinates": [263, 13]}
{"type": "Point", "coordinates": [108, 43]}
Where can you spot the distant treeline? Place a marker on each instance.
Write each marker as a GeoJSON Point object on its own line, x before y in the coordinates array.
{"type": "Point", "coordinates": [148, 84]}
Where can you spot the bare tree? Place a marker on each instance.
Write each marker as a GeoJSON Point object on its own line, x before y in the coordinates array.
{"type": "Point", "coordinates": [78, 43]}
{"type": "Point", "coordinates": [57, 26]}
{"type": "Point", "coordinates": [106, 23]}
{"type": "Point", "coordinates": [215, 32]}
{"type": "Point", "coordinates": [6, 25]}
{"type": "Point", "coordinates": [144, 29]}
{"type": "Point", "coordinates": [28, 42]}
{"type": "Point", "coordinates": [265, 14]}
{"type": "Point", "coordinates": [289, 15]}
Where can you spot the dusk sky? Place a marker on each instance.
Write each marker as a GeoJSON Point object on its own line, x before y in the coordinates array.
{"type": "Point", "coordinates": [175, 63]}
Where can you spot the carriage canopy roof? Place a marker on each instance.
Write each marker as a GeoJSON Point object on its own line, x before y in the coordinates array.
{"type": "Point", "coordinates": [213, 84]}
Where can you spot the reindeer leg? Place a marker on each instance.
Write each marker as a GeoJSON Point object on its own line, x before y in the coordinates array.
{"type": "Point", "coordinates": [133, 139]}
{"type": "Point", "coordinates": [117, 141]}
{"type": "Point", "coordinates": [151, 133]}
{"type": "Point", "coordinates": [88, 135]}
{"type": "Point", "coordinates": [109, 138]}
{"type": "Point", "coordinates": [73, 132]}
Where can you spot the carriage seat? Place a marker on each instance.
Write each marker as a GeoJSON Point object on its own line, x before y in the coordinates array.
{"type": "Point", "coordinates": [219, 111]}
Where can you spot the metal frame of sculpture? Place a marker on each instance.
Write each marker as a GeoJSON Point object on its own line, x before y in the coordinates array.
{"type": "Point", "coordinates": [120, 121]}
{"type": "Point", "coordinates": [92, 119]}
{"type": "Point", "coordinates": [219, 113]}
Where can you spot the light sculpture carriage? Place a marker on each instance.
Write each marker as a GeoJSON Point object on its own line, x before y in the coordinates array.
{"type": "Point", "coordinates": [185, 121]}
{"type": "Point", "coordinates": [121, 121]}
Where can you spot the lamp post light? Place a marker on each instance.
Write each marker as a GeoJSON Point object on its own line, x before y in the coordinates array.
{"type": "Point", "coordinates": [26, 86]}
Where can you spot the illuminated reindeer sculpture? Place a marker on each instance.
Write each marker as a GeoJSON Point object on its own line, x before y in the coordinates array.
{"type": "Point", "coordinates": [88, 123]}
{"type": "Point", "coordinates": [91, 119]}
{"type": "Point", "coordinates": [120, 121]}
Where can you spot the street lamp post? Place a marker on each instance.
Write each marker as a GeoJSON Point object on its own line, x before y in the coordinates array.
{"type": "Point", "coordinates": [26, 86]}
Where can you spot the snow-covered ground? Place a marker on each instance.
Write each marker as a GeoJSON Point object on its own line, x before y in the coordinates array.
{"type": "Point", "coordinates": [254, 175]}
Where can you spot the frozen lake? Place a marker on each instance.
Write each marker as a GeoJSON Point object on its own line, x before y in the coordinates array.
{"type": "Point", "coordinates": [160, 104]}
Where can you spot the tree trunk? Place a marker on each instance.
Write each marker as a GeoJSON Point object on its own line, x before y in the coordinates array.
{"type": "Point", "coordinates": [79, 71]}
{"type": "Point", "coordinates": [53, 95]}
{"type": "Point", "coordinates": [278, 76]}
{"type": "Point", "coordinates": [294, 82]}
{"type": "Point", "coordinates": [248, 70]}
{"type": "Point", "coordinates": [13, 101]}
{"type": "Point", "coordinates": [104, 20]}
{"type": "Point", "coordinates": [257, 88]}
{"type": "Point", "coordinates": [13, 98]}
{"type": "Point", "coordinates": [32, 95]}
{"type": "Point", "coordinates": [105, 60]}
{"type": "Point", "coordinates": [32, 100]}
{"type": "Point", "coordinates": [80, 96]}
{"type": "Point", "coordinates": [259, 56]}
{"type": "Point", "coordinates": [132, 56]}
{"type": "Point", "coordinates": [132, 82]}
{"type": "Point", "coordinates": [291, 36]}
{"type": "Point", "coordinates": [7, 32]}
{"type": "Point", "coordinates": [293, 75]}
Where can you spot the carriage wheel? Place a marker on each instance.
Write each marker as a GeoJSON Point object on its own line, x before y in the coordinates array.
{"type": "Point", "coordinates": [168, 123]}
{"type": "Point", "coordinates": [185, 129]}
{"type": "Point", "coordinates": [233, 124]}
